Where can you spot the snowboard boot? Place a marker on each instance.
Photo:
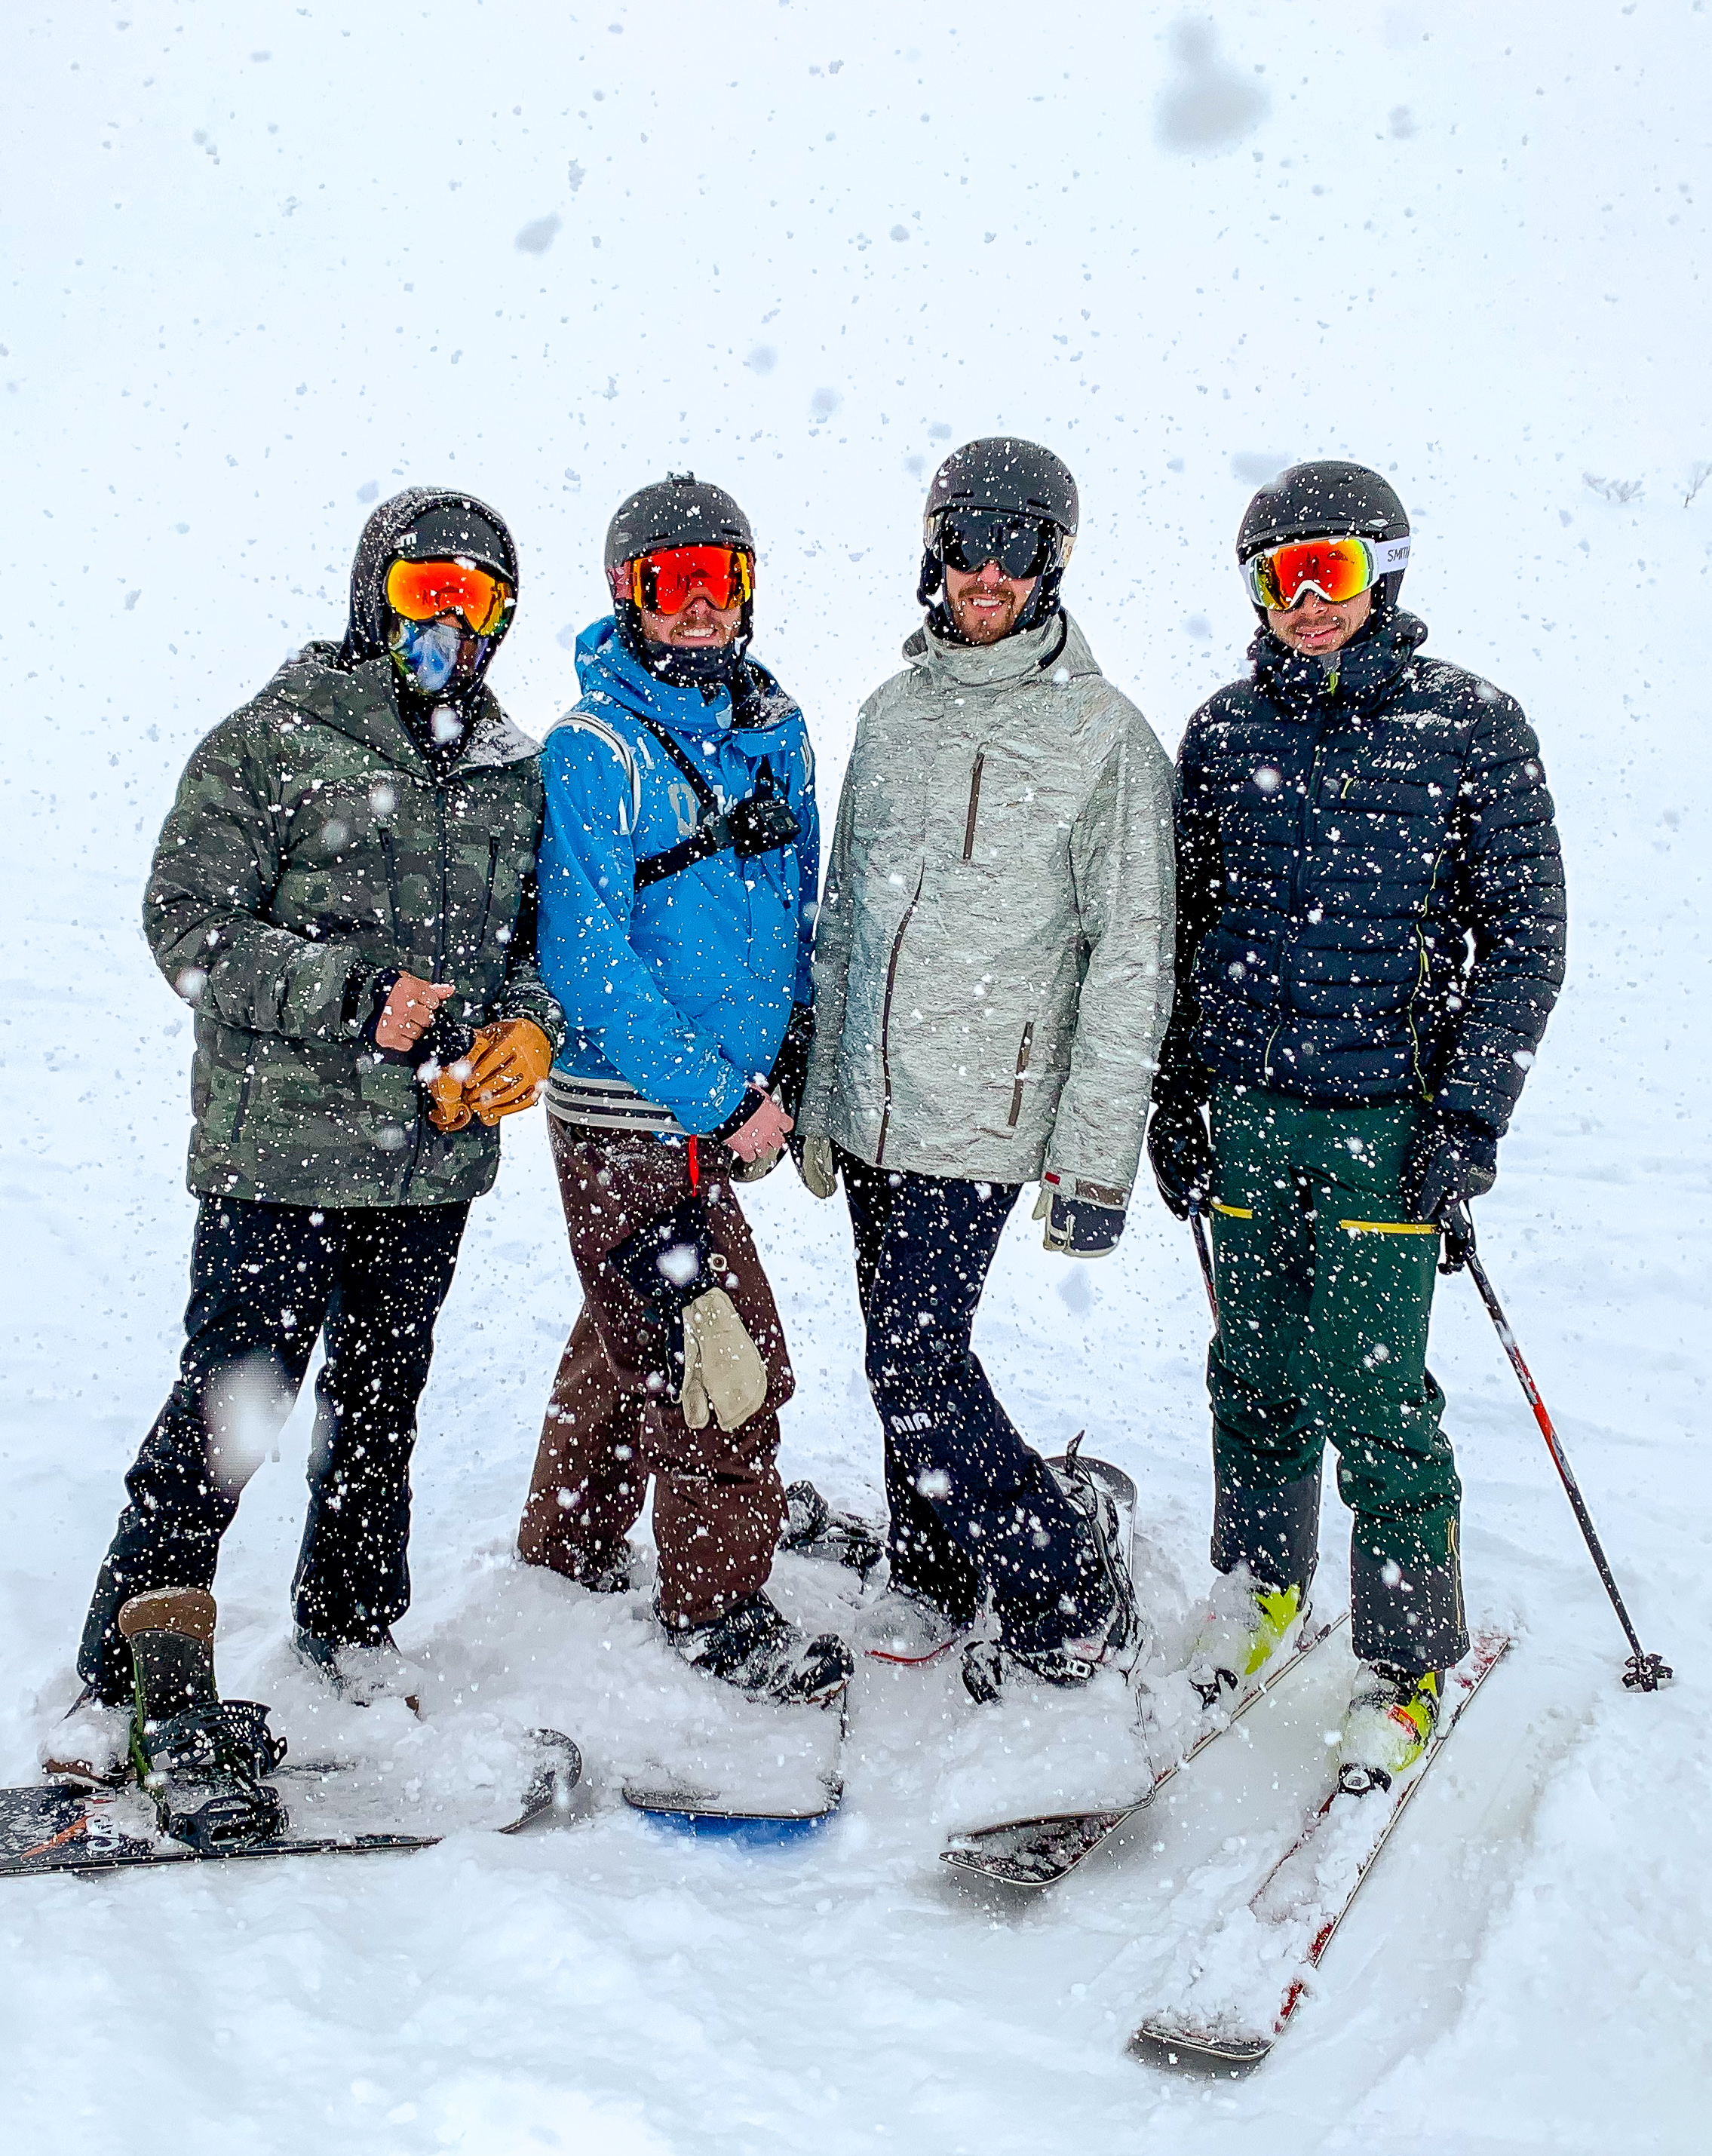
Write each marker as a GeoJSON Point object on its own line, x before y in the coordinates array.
{"type": "Point", "coordinates": [908, 1627]}
{"type": "Point", "coordinates": [200, 1757]}
{"type": "Point", "coordinates": [92, 1744]}
{"type": "Point", "coordinates": [1387, 1725]}
{"type": "Point", "coordinates": [814, 1529]}
{"type": "Point", "coordinates": [1113, 1640]}
{"type": "Point", "coordinates": [1245, 1627]}
{"type": "Point", "coordinates": [361, 1671]}
{"type": "Point", "coordinates": [758, 1651]}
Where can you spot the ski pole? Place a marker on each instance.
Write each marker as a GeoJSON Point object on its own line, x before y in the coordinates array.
{"type": "Point", "coordinates": [1197, 1228]}
{"type": "Point", "coordinates": [1644, 1672]}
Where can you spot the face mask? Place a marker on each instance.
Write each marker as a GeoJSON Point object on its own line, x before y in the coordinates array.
{"type": "Point", "coordinates": [425, 653]}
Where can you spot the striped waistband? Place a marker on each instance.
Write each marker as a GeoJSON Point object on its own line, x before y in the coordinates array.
{"type": "Point", "coordinates": [607, 1104]}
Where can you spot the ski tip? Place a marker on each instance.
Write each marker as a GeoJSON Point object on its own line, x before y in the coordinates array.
{"type": "Point", "coordinates": [1213, 2058]}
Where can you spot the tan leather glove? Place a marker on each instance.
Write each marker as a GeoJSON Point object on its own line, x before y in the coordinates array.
{"type": "Point", "coordinates": [819, 1168]}
{"type": "Point", "coordinates": [508, 1066]}
{"type": "Point", "coordinates": [723, 1369]}
{"type": "Point", "coordinates": [447, 1108]}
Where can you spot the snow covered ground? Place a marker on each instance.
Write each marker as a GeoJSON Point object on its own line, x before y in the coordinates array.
{"type": "Point", "coordinates": [266, 262]}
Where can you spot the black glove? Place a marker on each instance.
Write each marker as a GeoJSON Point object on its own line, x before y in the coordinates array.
{"type": "Point", "coordinates": [1181, 1156]}
{"type": "Point", "coordinates": [790, 1067]}
{"type": "Point", "coordinates": [1451, 1159]}
{"type": "Point", "coordinates": [1077, 1227]}
{"type": "Point", "coordinates": [667, 1264]}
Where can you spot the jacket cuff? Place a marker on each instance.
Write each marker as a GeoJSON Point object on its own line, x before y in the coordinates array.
{"type": "Point", "coordinates": [1063, 1184]}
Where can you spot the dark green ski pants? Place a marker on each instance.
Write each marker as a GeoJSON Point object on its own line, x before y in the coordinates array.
{"type": "Point", "coordinates": [1325, 1288]}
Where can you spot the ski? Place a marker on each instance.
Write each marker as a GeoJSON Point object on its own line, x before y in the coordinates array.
{"type": "Point", "coordinates": [716, 1814]}
{"type": "Point", "coordinates": [1310, 1889]}
{"type": "Point", "coordinates": [1039, 1852]}
{"type": "Point", "coordinates": [71, 1826]}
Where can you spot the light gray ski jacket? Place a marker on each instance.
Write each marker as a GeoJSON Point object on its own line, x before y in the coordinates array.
{"type": "Point", "coordinates": [992, 957]}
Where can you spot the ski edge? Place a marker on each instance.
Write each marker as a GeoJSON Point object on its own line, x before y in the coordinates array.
{"type": "Point", "coordinates": [966, 1852]}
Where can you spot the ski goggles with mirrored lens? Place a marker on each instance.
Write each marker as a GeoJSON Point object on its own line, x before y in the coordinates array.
{"type": "Point", "coordinates": [665, 580]}
{"type": "Point", "coordinates": [425, 591]}
{"type": "Point", "coordinates": [1339, 569]}
{"type": "Point", "coordinates": [970, 538]}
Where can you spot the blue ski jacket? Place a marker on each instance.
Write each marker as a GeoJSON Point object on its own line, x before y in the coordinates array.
{"type": "Point", "coordinates": [676, 995]}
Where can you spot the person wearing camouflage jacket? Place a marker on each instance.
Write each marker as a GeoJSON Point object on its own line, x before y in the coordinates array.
{"type": "Point", "coordinates": [344, 890]}
{"type": "Point", "coordinates": [992, 980]}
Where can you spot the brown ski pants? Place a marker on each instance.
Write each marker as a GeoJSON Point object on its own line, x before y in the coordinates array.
{"type": "Point", "coordinates": [718, 1503]}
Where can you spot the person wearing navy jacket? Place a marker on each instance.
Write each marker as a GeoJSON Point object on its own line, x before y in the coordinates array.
{"type": "Point", "coordinates": [678, 874]}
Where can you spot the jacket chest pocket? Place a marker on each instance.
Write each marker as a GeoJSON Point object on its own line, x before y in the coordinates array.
{"type": "Point", "coordinates": [1004, 816]}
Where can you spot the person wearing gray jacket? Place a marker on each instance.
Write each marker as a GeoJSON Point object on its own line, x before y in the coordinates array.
{"type": "Point", "coordinates": [992, 981]}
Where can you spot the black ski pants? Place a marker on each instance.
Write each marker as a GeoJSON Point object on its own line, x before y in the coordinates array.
{"type": "Point", "coordinates": [974, 1508]}
{"type": "Point", "coordinates": [264, 1282]}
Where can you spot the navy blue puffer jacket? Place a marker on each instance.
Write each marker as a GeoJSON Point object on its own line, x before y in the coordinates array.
{"type": "Point", "coordinates": [1371, 894]}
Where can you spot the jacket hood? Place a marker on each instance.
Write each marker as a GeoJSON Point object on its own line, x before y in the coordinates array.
{"type": "Point", "coordinates": [1357, 676]}
{"type": "Point", "coordinates": [609, 672]}
{"type": "Point", "coordinates": [1019, 657]}
{"type": "Point", "coordinates": [425, 523]}
{"type": "Point", "coordinates": [361, 701]}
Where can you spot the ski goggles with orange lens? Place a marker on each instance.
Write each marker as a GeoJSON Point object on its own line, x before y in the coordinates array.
{"type": "Point", "coordinates": [665, 580]}
{"type": "Point", "coordinates": [1338, 569]}
{"type": "Point", "coordinates": [425, 591]}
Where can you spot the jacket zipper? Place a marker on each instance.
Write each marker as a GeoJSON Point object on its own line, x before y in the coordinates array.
{"type": "Point", "coordinates": [242, 1102]}
{"type": "Point", "coordinates": [440, 967]}
{"type": "Point", "coordinates": [975, 803]}
{"type": "Point", "coordinates": [392, 863]}
{"type": "Point", "coordinates": [486, 895]}
{"type": "Point", "coordinates": [1022, 1055]}
{"type": "Point", "coordinates": [886, 1017]}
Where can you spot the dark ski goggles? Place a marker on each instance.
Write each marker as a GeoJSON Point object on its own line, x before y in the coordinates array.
{"type": "Point", "coordinates": [428, 591]}
{"type": "Point", "coordinates": [970, 538]}
{"type": "Point", "coordinates": [665, 580]}
{"type": "Point", "coordinates": [1339, 569]}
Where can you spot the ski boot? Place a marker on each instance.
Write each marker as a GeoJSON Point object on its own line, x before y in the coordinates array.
{"type": "Point", "coordinates": [1246, 1624]}
{"type": "Point", "coordinates": [361, 1671]}
{"type": "Point", "coordinates": [752, 1647]}
{"type": "Point", "coordinates": [1387, 1725]}
{"type": "Point", "coordinates": [814, 1529]}
{"type": "Point", "coordinates": [1115, 1638]}
{"type": "Point", "coordinates": [201, 1759]}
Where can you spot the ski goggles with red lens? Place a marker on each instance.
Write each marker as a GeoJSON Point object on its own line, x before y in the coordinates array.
{"type": "Point", "coordinates": [1339, 569]}
{"type": "Point", "coordinates": [426, 591]}
{"type": "Point", "coordinates": [970, 538]}
{"type": "Point", "coordinates": [665, 580]}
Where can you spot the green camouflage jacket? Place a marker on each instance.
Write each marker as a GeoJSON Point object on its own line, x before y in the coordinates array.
{"type": "Point", "coordinates": [310, 849]}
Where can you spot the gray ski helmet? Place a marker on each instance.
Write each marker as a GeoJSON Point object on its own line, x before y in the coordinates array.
{"type": "Point", "coordinates": [422, 524]}
{"type": "Point", "coordinates": [1016, 478]}
{"type": "Point", "coordinates": [1322, 499]}
{"type": "Point", "coordinates": [678, 511]}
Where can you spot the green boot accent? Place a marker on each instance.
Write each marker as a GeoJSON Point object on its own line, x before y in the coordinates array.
{"type": "Point", "coordinates": [1243, 1629]}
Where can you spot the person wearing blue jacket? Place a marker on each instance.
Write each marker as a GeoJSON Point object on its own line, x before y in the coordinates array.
{"type": "Point", "coordinates": [678, 874]}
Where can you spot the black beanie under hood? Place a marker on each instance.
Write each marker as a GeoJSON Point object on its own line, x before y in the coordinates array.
{"type": "Point", "coordinates": [424, 523]}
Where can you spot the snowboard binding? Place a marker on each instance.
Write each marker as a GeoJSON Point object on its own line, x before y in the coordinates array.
{"type": "Point", "coordinates": [201, 1760]}
{"type": "Point", "coordinates": [813, 1529]}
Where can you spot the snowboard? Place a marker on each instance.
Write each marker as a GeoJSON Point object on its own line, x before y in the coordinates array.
{"type": "Point", "coordinates": [1039, 1852]}
{"type": "Point", "coordinates": [1298, 1907]}
{"type": "Point", "coordinates": [715, 1815]}
{"type": "Point", "coordinates": [66, 1826]}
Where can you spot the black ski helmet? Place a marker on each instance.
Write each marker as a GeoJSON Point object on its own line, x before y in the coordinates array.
{"type": "Point", "coordinates": [678, 511]}
{"type": "Point", "coordinates": [1324, 500]}
{"type": "Point", "coordinates": [422, 524]}
{"type": "Point", "coordinates": [1016, 478]}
